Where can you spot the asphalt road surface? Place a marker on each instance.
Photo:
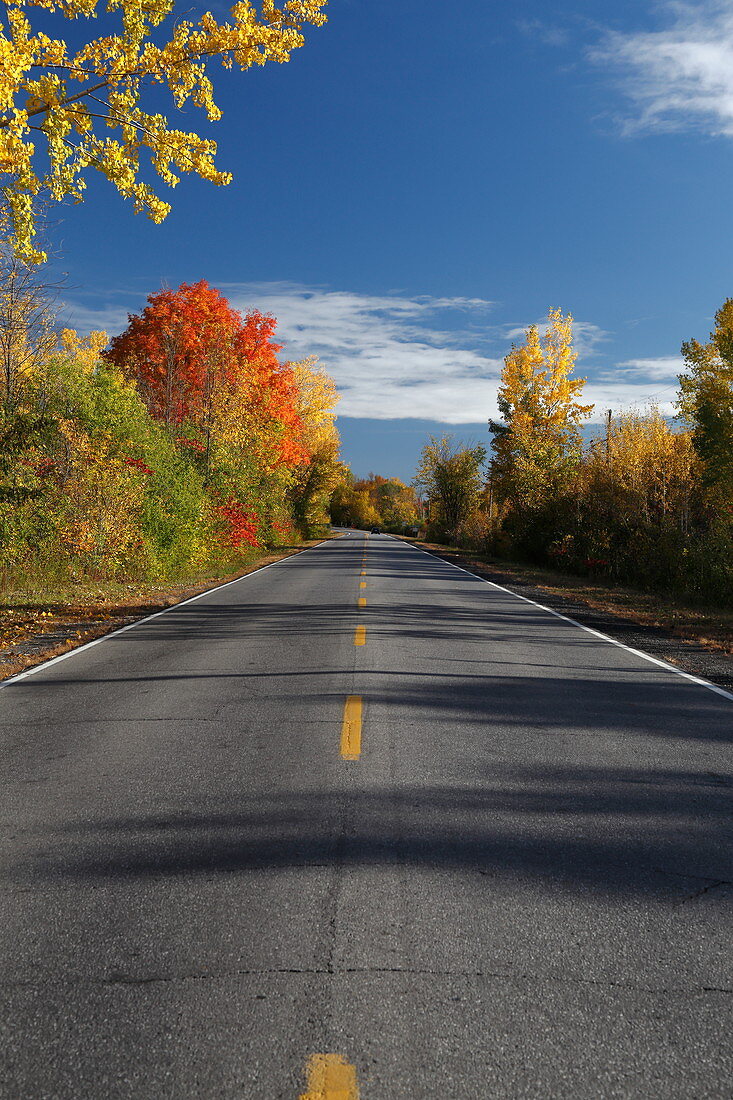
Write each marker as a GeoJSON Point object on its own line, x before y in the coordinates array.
{"type": "Point", "coordinates": [456, 846]}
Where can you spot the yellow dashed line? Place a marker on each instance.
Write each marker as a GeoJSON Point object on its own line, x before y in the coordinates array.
{"type": "Point", "coordinates": [362, 601]}
{"type": "Point", "coordinates": [362, 584]}
{"type": "Point", "coordinates": [360, 636]}
{"type": "Point", "coordinates": [351, 728]}
{"type": "Point", "coordinates": [330, 1077]}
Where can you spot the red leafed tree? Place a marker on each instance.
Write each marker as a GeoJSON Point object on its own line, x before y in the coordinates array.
{"type": "Point", "coordinates": [174, 346]}
{"type": "Point", "coordinates": [242, 527]}
{"type": "Point", "coordinates": [190, 353]}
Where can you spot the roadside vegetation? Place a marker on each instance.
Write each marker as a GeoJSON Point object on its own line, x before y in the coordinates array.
{"type": "Point", "coordinates": [185, 450]}
{"type": "Point", "coordinates": [175, 452]}
{"type": "Point", "coordinates": [647, 503]}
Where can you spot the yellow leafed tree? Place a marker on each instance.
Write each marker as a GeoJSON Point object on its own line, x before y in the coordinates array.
{"type": "Point", "coordinates": [65, 110]}
{"type": "Point", "coordinates": [538, 444]}
{"type": "Point", "coordinates": [314, 480]}
{"type": "Point", "coordinates": [643, 472]}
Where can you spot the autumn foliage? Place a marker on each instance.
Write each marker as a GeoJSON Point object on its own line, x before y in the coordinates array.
{"type": "Point", "coordinates": [176, 347]}
{"type": "Point", "coordinates": [182, 446]}
{"type": "Point", "coordinates": [374, 501]}
{"type": "Point", "coordinates": [645, 499]}
{"type": "Point", "coordinates": [196, 360]}
{"type": "Point", "coordinates": [89, 105]}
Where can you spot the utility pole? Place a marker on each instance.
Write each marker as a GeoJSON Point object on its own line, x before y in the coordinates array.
{"type": "Point", "coordinates": [609, 414]}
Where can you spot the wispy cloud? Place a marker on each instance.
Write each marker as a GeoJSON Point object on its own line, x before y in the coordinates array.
{"type": "Point", "coordinates": [544, 32]}
{"type": "Point", "coordinates": [399, 357]}
{"type": "Point", "coordinates": [621, 396]}
{"type": "Point", "coordinates": [637, 384]}
{"type": "Point", "coordinates": [680, 76]}
{"type": "Point", "coordinates": [665, 368]}
{"type": "Point", "coordinates": [392, 356]}
{"type": "Point", "coordinates": [99, 311]}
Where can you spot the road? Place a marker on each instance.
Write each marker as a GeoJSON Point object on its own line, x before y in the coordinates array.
{"type": "Point", "coordinates": [461, 846]}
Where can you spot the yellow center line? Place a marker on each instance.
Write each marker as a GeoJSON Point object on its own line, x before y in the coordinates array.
{"type": "Point", "coordinates": [363, 572]}
{"type": "Point", "coordinates": [351, 728]}
{"type": "Point", "coordinates": [362, 601]}
{"type": "Point", "coordinates": [330, 1077]}
{"type": "Point", "coordinates": [360, 636]}
{"type": "Point", "coordinates": [362, 584]}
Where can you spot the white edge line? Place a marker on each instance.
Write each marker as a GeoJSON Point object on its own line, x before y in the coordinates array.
{"type": "Point", "coordinates": [149, 618]}
{"type": "Point", "coordinates": [588, 629]}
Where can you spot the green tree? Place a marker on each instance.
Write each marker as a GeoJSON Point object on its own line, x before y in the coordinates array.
{"type": "Point", "coordinates": [706, 403]}
{"type": "Point", "coordinates": [450, 476]}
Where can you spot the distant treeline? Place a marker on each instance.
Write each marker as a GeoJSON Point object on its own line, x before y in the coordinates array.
{"type": "Point", "coordinates": [375, 501]}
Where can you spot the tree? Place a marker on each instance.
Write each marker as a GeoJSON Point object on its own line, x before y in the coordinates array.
{"type": "Point", "coordinates": [255, 409]}
{"type": "Point", "coordinates": [538, 445]}
{"type": "Point", "coordinates": [706, 403]}
{"type": "Point", "coordinates": [396, 503]}
{"type": "Point", "coordinates": [59, 107]}
{"type": "Point", "coordinates": [341, 496]}
{"type": "Point", "coordinates": [316, 478]}
{"type": "Point", "coordinates": [633, 493]}
{"type": "Point", "coordinates": [199, 363]}
{"type": "Point", "coordinates": [27, 324]}
{"type": "Point", "coordinates": [214, 377]}
{"type": "Point", "coordinates": [393, 502]}
{"type": "Point", "coordinates": [450, 477]}
{"type": "Point", "coordinates": [183, 344]}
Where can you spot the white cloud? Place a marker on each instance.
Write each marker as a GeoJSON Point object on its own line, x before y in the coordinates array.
{"type": "Point", "coordinates": [618, 396]}
{"type": "Point", "coordinates": [99, 313]}
{"type": "Point", "coordinates": [636, 384]}
{"type": "Point", "coordinates": [389, 359]}
{"type": "Point", "coordinates": [681, 76]}
{"type": "Point", "coordinates": [660, 369]}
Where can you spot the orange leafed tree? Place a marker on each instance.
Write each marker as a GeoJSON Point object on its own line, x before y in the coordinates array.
{"type": "Point", "coordinates": [199, 363]}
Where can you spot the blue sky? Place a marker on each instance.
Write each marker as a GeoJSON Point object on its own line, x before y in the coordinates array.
{"type": "Point", "coordinates": [423, 180]}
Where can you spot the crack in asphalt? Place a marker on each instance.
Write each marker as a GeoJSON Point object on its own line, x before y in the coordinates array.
{"type": "Point", "coordinates": [714, 885]}
{"type": "Point", "coordinates": [116, 978]}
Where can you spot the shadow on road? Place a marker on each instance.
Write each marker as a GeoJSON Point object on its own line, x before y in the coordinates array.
{"type": "Point", "coordinates": [617, 830]}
